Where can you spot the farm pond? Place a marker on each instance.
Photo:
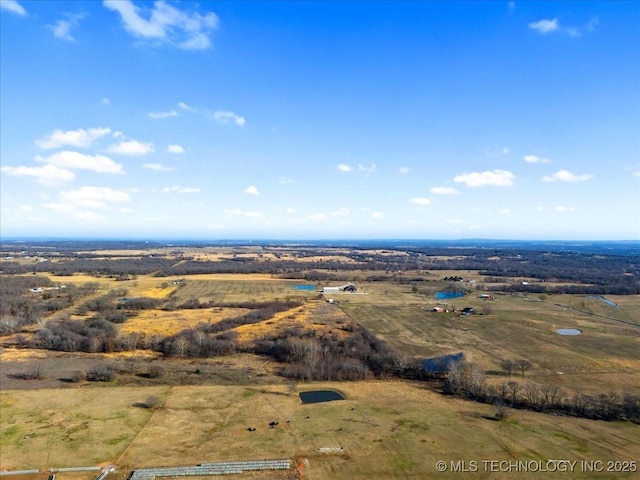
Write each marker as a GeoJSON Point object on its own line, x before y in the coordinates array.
{"type": "Point", "coordinates": [319, 396]}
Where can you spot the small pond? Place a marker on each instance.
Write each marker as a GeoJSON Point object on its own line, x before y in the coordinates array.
{"type": "Point", "coordinates": [569, 331]}
{"type": "Point", "coordinates": [305, 287]}
{"type": "Point", "coordinates": [318, 396]}
{"type": "Point", "coordinates": [447, 295]}
{"type": "Point", "coordinates": [605, 300]}
{"type": "Point", "coordinates": [441, 364]}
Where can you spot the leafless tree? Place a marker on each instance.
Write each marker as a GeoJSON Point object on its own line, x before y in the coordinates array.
{"type": "Point", "coordinates": [523, 365]}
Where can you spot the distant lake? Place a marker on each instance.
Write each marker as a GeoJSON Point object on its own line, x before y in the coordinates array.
{"type": "Point", "coordinates": [448, 295]}
{"type": "Point", "coordinates": [305, 287]}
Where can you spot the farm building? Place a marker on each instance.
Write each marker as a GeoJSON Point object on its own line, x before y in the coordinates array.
{"type": "Point", "coordinates": [486, 296]}
{"type": "Point", "coordinates": [349, 287]}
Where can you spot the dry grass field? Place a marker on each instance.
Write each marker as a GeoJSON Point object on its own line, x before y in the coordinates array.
{"type": "Point", "coordinates": [386, 430]}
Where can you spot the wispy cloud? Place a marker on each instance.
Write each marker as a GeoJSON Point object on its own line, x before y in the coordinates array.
{"type": "Point", "coordinates": [344, 167]}
{"type": "Point", "coordinates": [180, 189]}
{"type": "Point", "coordinates": [161, 115]}
{"type": "Point", "coordinates": [421, 201]}
{"type": "Point", "coordinates": [251, 190]}
{"type": "Point", "coordinates": [444, 191]}
{"type": "Point", "coordinates": [226, 117]}
{"type": "Point", "coordinates": [186, 107]}
{"type": "Point", "coordinates": [404, 170]}
{"type": "Point", "coordinates": [490, 178]}
{"type": "Point", "coordinates": [62, 28]}
{"type": "Point", "coordinates": [81, 202]}
{"type": "Point", "coordinates": [47, 174]}
{"type": "Point", "coordinates": [78, 161]}
{"type": "Point", "coordinates": [536, 159]}
{"type": "Point", "coordinates": [176, 149]}
{"type": "Point", "coordinates": [341, 212]}
{"type": "Point", "coordinates": [165, 24]}
{"type": "Point", "coordinates": [132, 148]}
{"type": "Point", "coordinates": [317, 217]}
{"type": "Point", "coordinates": [80, 138]}
{"type": "Point", "coordinates": [561, 209]}
{"type": "Point", "coordinates": [545, 26]}
{"type": "Point", "coordinates": [158, 167]}
{"type": "Point", "coordinates": [365, 169]}
{"type": "Point", "coordinates": [94, 197]}
{"type": "Point", "coordinates": [12, 6]}
{"type": "Point", "coordinates": [105, 102]}
{"type": "Point", "coordinates": [567, 176]}
{"type": "Point", "coordinates": [377, 215]}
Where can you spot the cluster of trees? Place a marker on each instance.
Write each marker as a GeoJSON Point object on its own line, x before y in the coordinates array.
{"type": "Point", "coordinates": [468, 380]}
{"type": "Point", "coordinates": [334, 356]}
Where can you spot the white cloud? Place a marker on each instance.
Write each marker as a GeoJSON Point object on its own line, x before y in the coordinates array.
{"type": "Point", "coordinates": [421, 201]}
{"type": "Point", "coordinates": [47, 174]}
{"type": "Point", "coordinates": [80, 138]}
{"type": "Point", "coordinates": [493, 178]}
{"type": "Point", "coordinates": [444, 191]}
{"type": "Point", "coordinates": [318, 217]}
{"type": "Point", "coordinates": [158, 167]}
{"type": "Point", "coordinates": [186, 107]}
{"type": "Point", "coordinates": [370, 169]}
{"type": "Point", "coordinates": [12, 6]}
{"type": "Point", "coordinates": [377, 215]}
{"type": "Point", "coordinates": [62, 28]}
{"type": "Point", "coordinates": [228, 117]}
{"type": "Point", "coordinates": [341, 212]}
{"type": "Point", "coordinates": [536, 159]}
{"type": "Point", "coordinates": [79, 161]}
{"type": "Point", "coordinates": [545, 26]}
{"type": "Point", "coordinates": [343, 167]}
{"type": "Point", "coordinates": [175, 149]}
{"type": "Point", "coordinates": [105, 101]}
{"type": "Point", "coordinates": [636, 174]}
{"type": "Point", "coordinates": [26, 208]}
{"type": "Point", "coordinates": [290, 210]}
{"type": "Point", "coordinates": [285, 181]}
{"type": "Point", "coordinates": [160, 115]}
{"type": "Point", "coordinates": [561, 209]}
{"type": "Point", "coordinates": [94, 197]}
{"type": "Point", "coordinates": [179, 189]}
{"type": "Point", "coordinates": [566, 176]}
{"type": "Point", "coordinates": [504, 211]}
{"type": "Point", "coordinates": [132, 147]}
{"type": "Point", "coordinates": [251, 190]}
{"type": "Point", "coordinates": [166, 24]}
{"type": "Point", "coordinates": [254, 214]}
{"type": "Point", "coordinates": [232, 211]}
{"type": "Point", "coordinates": [403, 170]}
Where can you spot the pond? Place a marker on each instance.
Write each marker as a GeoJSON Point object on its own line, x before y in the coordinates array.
{"type": "Point", "coordinates": [569, 331]}
{"type": "Point", "coordinates": [606, 300]}
{"type": "Point", "coordinates": [447, 295]}
{"type": "Point", "coordinates": [319, 396]}
{"type": "Point", "coordinates": [441, 364]}
{"type": "Point", "coordinates": [305, 287]}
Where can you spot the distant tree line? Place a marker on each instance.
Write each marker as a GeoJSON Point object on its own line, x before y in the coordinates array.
{"type": "Point", "coordinates": [467, 380]}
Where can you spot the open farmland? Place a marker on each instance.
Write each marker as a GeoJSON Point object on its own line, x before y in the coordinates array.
{"type": "Point", "coordinates": [225, 352]}
{"type": "Point", "coordinates": [606, 356]}
{"type": "Point", "coordinates": [239, 288]}
{"type": "Point", "coordinates": [386, 430]}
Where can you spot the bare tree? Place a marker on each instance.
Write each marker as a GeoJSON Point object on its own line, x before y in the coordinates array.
{"type": "Point", "coordinates": [508, 366]}
{"type": "Point", "coordinates": [523, 365]}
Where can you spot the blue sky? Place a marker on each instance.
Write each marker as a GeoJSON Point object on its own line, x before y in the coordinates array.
{"type": "Point", "coordinates": [315, 120]}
